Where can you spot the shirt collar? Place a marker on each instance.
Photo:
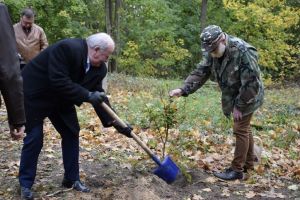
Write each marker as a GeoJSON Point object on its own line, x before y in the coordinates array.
{"type": "Point", "coordinates": [88, 65]}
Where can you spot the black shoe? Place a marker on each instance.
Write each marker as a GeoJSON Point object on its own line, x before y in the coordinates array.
{"type": "Point", "coordinates": [76, 185]}
{"type": "Point", "coordinates": [26, 193]}
{"type": "Point", "coordinates": [229, 174]}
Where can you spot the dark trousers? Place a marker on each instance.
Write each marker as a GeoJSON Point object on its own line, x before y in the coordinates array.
{"type": "Point", "coordinates": [243, 154]}
{"type": "Point", "coordinates": [22, 66]}
{"type": "Point", "coordinates": [33, 143]}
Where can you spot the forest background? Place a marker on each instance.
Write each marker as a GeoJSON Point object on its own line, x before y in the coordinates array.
{"type": "Point", "coordinates": [160, 38]}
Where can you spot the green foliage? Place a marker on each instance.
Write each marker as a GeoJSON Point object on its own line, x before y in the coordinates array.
{"type": "Point", "coordinates": [152, 46]}
{"type": "Point", "coordinates": [264, 24]}
{"type": "Point", "coordinates": [59, 19]}
{"type": "Point", "coordinates": [167, 56]}
{"type": "Point", "coordinates": [285, 139]}
{"type": "Point", "coordinates": [201, 112]}
{"type": "Point", "coordinates": [188, 29]}
{"type": "Point", "coordinates": [162, 117]}
{"type": "Point", "coordinates": [130, 61]}
{"type": "Point", "coordinates": [161, 37]}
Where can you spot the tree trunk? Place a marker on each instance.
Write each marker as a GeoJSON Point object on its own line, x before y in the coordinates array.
{"type": "Point", "coordinates": [108, 20]}
{"type": "Point", "coordinates": [109, 28]}
{"type": "Point", "coordinates": [203, 14]}
{"type": "Point", "coordinates": [117, 32]}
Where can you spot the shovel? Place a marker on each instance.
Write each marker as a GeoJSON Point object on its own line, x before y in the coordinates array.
{"type": "Point", "coordinates": [166, 170]}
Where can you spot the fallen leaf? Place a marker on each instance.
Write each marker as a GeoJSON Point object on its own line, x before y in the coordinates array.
{"type": "Point", "coordinates": [260, 169]}
{"type": "Point", "coordinates": [211, 179]}
{"type": "Point", "coordinates": [209, 159]}
{"type": "Point", "coordinates": [217, 156]}
{"type": "Point", "coordinates": [225, 192]}
{"type": "Point", "coordinates": [206, 190]}
{"type": "Point", "coordinates": [297, 172]}
{"type": "Point", "coordinates": [250, 194]}
{"type": "Point", "coordinates": [197, 197]}
{"type": "Point", "coordinates": [126, 165]}
{"type": "Point", "coordinates": [293, 187]}
{"type": "Point", "coordinates": [272, 194]}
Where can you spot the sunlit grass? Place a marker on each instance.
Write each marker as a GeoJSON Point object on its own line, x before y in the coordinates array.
{"type": "Point", "coordinates": [202, 110]}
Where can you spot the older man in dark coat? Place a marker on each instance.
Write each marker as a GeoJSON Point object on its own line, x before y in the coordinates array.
{"type": "Point", "coordinates": [65, 74]}
{"type": "Point", "coordinates": [11, 85]}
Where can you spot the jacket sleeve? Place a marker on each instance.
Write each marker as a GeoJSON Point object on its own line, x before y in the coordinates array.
{"type": "Point", "coordinates": [250, 80]}
{"type": "Point", "coordinates": [59, 68]}
{"type": "Point", "coordinates": [105, 118]}
{"type": "Point", "coordinates": [198, 77]}
{"type": "Point", "coordinates": [43, 40]}
{"type": "Point", "coordinates": [11, 82]}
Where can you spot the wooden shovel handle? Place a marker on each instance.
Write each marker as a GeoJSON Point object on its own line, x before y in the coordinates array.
{"type": "Point", "coordinates": [134, 136]}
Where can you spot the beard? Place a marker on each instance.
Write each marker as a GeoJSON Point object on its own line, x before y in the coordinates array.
{"type": "Point", "coordinates": [219, 52]}
{"type": "Point", "coordinates": [26, 30]}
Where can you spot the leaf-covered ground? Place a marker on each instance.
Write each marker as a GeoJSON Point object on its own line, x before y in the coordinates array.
{"type": "Point", "coordinates": [115, 167]}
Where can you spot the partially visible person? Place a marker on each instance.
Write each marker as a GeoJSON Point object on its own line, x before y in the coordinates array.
{"type": "Point", "coordinates": [65, 74]}
{"type": "Point", "coordinates": [31, 38]}
{"type": "Point", "coordinates": [233, 64]}
{"type": "Point", "coordinates": [11, 84]}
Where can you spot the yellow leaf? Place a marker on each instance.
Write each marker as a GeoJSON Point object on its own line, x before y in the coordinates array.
{"type": "Point", "coordinates": [206, 123]}
{"type": "Point", "coordinates": [260, 169]}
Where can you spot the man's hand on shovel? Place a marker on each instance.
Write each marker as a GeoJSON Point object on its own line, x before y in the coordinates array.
{"type": "Point", "coordinates": [96, 97]}
{"type": "Point", "coordinates": [167, 170]}
{"type": "Point", "coordinates": [123, 130]}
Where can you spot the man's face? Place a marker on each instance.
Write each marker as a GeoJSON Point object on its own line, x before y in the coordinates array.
{"type": "Point", "coordinates": [27, 22]}
{"type": "Point", "coordinates": [97, 56]}
{"type": "Point", "coordinates": [219, 51]}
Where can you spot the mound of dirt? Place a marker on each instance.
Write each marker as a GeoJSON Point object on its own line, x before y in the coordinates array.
{"type": "Point", "coordinates": [150, 188]}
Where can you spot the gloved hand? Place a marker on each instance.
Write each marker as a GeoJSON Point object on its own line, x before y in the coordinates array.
{"type": "Point", "coordinates": [96, 97]}
{"type": "Point", "coordinates": [125, 131]}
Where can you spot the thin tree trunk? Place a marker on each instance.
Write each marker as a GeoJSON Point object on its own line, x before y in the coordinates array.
{"type": "Point", "coordinates": [117, 32]}
{"type": "Point", "coordinates": [108, 23]}
{"type": "Point", "coordinates": [203, 14]}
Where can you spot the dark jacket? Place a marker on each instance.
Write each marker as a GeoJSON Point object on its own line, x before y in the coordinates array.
{"type": "Point", "coordinates": [10, 77]}
{"type": "Point", "coordinates": [56, 80]}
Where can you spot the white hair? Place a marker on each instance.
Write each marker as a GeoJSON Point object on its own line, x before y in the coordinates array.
{"type": "Point", "coordinates": [101, 40]}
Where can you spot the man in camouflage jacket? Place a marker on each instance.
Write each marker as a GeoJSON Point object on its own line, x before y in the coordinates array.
{"type": "Point", "coordinates": [233, 63]}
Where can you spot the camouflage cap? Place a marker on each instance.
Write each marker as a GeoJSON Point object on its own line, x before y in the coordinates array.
{"type": "Point", "coordinates": [210, 37]}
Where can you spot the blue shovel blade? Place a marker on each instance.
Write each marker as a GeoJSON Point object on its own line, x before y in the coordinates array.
{"type": "Point", "coordinates": [168, 170]}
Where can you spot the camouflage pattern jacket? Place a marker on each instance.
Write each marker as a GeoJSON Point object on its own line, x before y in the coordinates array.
{"type": "Point", "coordinates": [237, 74]}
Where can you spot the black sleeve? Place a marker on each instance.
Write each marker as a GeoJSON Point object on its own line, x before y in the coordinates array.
{"type": "Point", "coordinates": [59, 75]}
{"type": "Point", "coordinates": [11, 82]}
{"type": "Point", "coordinates": [104, 117]}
